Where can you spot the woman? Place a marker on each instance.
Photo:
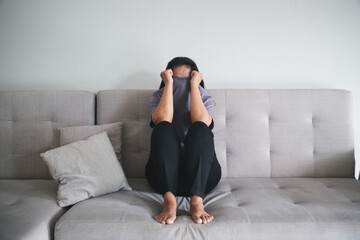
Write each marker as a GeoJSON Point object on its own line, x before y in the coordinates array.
{"type": "Point", "coordinates": [182, 159]}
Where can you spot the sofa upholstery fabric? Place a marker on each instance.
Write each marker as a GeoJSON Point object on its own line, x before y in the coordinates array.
{"type": "Point", "coordinates": [257, 133]}
{"type": "Point", "coordinates": [287, 160]}
{"type": "Point", "coordinates": [28, 122]}
{"type": "Point", "coordinates": [28, 126]}
{"type": "Point", "coordinates": [28, 209]}
{"type": "Point", "coordinates": [243, 208]}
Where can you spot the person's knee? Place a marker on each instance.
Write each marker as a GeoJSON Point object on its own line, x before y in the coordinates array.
{"type": "Point", "coordinates": [162, 123]}
{"type": "Point", "coordinates": [199, 129]}
{"type": "Point", "coordinates": [164, 134]}
{"type": "Point", "coordinates": [163, 127]}
{"type": "Point", "coordinates": [199, 123]}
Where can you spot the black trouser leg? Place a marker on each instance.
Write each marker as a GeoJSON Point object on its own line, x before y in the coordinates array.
{"type": "Point", "coordinates": [202, 171]}
{"type": "Point", "coordinates": [163, 164]}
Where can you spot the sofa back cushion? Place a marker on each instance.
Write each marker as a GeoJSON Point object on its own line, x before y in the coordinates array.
{"type": "Point", "coordinates": [257, 133]}
{"type": "Point", "coordinates": [28, 122]}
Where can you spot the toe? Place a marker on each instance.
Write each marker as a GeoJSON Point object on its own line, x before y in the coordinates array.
{"type": "Point", "coordinates": [169, 221]}
{"type": "Point", "coordinates": [198, 220]}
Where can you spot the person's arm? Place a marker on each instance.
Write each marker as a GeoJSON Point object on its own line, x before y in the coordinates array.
{"type": "Point", "coordinates": [165, 109]}
{"type": "Point", "coordinates": [198, 110]}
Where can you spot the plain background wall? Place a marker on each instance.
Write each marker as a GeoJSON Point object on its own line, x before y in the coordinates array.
{"type": "Point", "coordinates": [97, 45]}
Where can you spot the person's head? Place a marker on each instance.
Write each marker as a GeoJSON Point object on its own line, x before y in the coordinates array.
{"type": "Point", "coordinates": [182, 70]}
{"type": "Point", "coordinates": [181, 67]}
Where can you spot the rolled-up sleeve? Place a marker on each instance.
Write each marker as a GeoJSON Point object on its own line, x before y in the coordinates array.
{"type": "Point", "coordinates": [153, 103]}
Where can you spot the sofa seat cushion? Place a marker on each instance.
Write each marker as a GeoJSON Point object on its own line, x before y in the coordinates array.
{"type": "Point", "coordinates": [244, 208]}
{"type": "Point", "coordinates": [28, 209]}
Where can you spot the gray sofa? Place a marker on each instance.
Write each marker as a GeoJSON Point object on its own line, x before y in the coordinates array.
{"type": "Point", "coordinates": [287, 160]}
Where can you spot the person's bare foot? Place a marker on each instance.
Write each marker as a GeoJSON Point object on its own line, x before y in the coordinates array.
{"type": "Point", "coordinates": [197, 210]}
{"type": "Point", "coordinates": [168, 214]}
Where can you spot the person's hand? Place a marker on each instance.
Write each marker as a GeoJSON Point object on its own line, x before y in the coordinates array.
{"type": "Point", "coordinates": [166, 76]}
{"type": "Point", "coordinates": [196, 78]}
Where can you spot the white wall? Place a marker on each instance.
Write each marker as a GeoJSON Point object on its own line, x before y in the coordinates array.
{"type": "Point", "coordinates": [96, 45]}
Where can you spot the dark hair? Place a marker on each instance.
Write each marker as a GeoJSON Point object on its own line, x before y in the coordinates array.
{"type": "Point", "coordinates": [182, 61]}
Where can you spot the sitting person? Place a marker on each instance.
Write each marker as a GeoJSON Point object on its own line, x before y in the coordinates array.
{"type": "Point", "coordinates": [182, 159]}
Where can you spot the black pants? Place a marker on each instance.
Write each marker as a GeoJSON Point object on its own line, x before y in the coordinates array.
{"type": "Point", "coordinates": [197, 171]}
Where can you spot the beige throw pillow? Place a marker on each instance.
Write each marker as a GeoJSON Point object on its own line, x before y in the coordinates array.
{"type": "Point", "coordinates": [85, 168]}
{"type": "Point", "coordinates": [114, 130]}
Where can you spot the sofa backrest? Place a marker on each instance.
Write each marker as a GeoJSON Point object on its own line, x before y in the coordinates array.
{"type": "Point", "coordinates": [28, 122]}
{"type": "Point", "coordinates": [258, 133]}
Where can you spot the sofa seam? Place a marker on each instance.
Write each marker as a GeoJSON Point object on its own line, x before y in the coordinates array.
{"type": "Point", "coordinates": [270, 170]}
{"type": "Point", "coordinates": [225, 126]}
{"type": "Point", "coordinates": [313, 131]}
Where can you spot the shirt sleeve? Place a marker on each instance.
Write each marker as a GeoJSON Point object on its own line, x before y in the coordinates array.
{"type": "Point", "coordinates": [153, 103]}
{"type": "Point", "coordinates": [209, 104]}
